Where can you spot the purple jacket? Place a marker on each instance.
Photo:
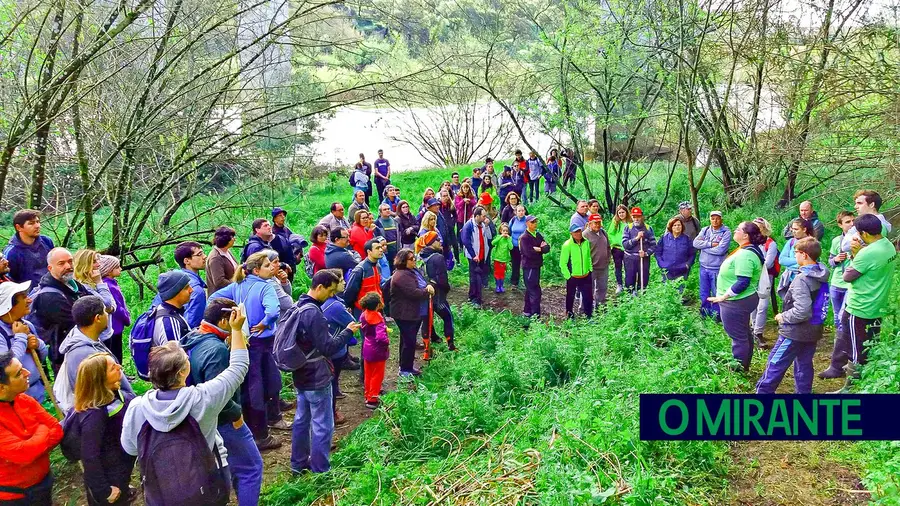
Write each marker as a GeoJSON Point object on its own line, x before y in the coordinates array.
{"type": "Point", "coordinates": [375, 337]}
{"type": "Point", "coordinates": [464, 208]}
{"type": "Point", "coordinates": [121, 317]}
{"type": "Point", "coordinates": [675, 255]}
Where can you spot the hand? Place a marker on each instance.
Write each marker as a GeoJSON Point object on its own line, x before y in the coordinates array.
{"type": "Point", "coordinates": [840, 257]}
{"type": "Point", "coordinates": [287, 269]}
{"type": "Point", "coordinates": [779, 318]}
{"type": "Point", "coordinates": [716, 300]}
{"type": "Point", "coordinates": [282, 276]}
{"type": "Point", "coordinates": [855, 245]}
{"type": "Point", "coordinates": [237, 318]}
{"type": "Point", "coordinates": [114, 494]}
{"type": "Point", "coordinates": [543, 244]}
{"type": "Point", "coordinates": [537, 248]}
{"type": "Point", "coordinates": [429, 289]}
{"type": "Point", "coordinates": [238, 424]}
{"type": "Point", "coordinates": [19, 327]}
{"type": "Point", "coordinates": [640, 235]}
{"type": "Point", "coordinates": [642, 254]}
{"type": "Point", "coordinates": [715, 244]}
{"type": "Point", "coordinates": [32, 342]}
{"type": "Point", "coordinates": [353, 326]}
{"type": "Point", "coordinates": [259, 327]}
{"type": "Point", "coordinates": [95, 276]}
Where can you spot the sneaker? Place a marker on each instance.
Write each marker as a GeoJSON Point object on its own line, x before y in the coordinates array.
{"type": "Point", "coordinates": [373, 404]}
{"type": "Point", "coordinates": [284, 405]}
{"type": "Point", "coordinates": [831, 373]}
{"type": "Point", "coordinates": [498, 290]}
{"type": "Point", "coordinates": [761, 342]}
{"type": "Point", "coordinates": [350, 366]}
{"type": "Point", "coordinates": [618, 289]}
{"type": "Point", "coordinates": [340, 395]}
{"type": "Point", "coordinates": [340, 420]}
{"type": "Point", "coordinates": [269, 443]}
{"type": "Point", "coordinates": [280, 425]}
{"type": "Point", "coordinates": [450, 344]}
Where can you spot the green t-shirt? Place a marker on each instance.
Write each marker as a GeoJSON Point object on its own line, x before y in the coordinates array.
{"type": "Point", "coordinates": [868, 294]}
{"type": "Point", "coordinates": [742, 262]}
{"type": "Point", "coordinates": [615, 236]}
{"type": "Point", "coordinates": [837, 273]}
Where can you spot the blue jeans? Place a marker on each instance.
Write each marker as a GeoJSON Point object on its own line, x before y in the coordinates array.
{"type": "Point", "coordinates": [708, 289]}
{"type": "Point", "coordinates": [244, 462]}
{"type": "Point", "coordinates": [837, 296]}
{"type": "Point", "coordinates": [312, 431]}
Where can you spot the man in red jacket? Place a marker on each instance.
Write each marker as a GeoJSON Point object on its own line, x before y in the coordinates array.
{"type": "Point", "coordinates": [27, 434]}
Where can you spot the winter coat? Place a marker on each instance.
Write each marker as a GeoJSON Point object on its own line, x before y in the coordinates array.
{"type": "Point", "coordinates": [675, 254]}
{"type": "Point", "coordinates": [363, 279]}
{"type": "Point", "coordinates": [500, 249]}
{"type": "Point", "coordinates": [406, 295]}
{"type": "Point", "coordinates": [436, 272]}
{"type": "Point", "coordinates": [387, 228]}
{"type": "Point", "coordinates": [282, 247]}
{"type": "Point", "coordinates": [330, 222]}
{"type": "Point", "coordinates": [208, 353]}
{"type": "Point", "coordinates": [260, 300]}
{"type": "Point", "coordinates": [220, 269]}
{"type": "Point", "coordinates": [797, 309]}
{"type": "Point", "coordinates": [532, 259]}
{"type": "Point", "coordinates": [711, 257]}
{"type": "Point", "coordinates": [376, 344]}
{"type": "Point", "coordinates": [317, 255]}
{"type": "Point", "coordinates": [338, 317]}
{"type": "Point", "coordinates": [632, 245]}
{"type": "Point", "coordinates": [51, 312]}
{"type": "Point", "coordinates": [18, 345]}
{"type": "Point", "coordinates": [75, 348]}
{"type": "Point", "coordinates": [471, 243]}
{"type": "Point", "coordinates": [464, 208]}
{"type": "Point", "coordinates": [165, 410]}
{"type": "Point", "coordinates": [314, 335]}
{"type": "Point", "coordinates": [337, 257]}
{"type": "Point", "coordinates": [105, 464]}
{"type": "Point", "coordinates": [601, 250]}
{"type": "Point", "coordinates": [27, 262]}
{"type": "Point", "coordinates": [575, 259]}
{"type": "Point", "coordinates": [359, 236]}
{"type": "Point", "coordinates": [27, 434]}
{"type": "Point", "coordinates": [121, 317]}
{"type": "Point", "coordinates": [408, 227]}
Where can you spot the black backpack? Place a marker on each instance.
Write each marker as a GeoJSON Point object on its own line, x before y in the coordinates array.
{"type": "Point", "coordinates": [177, 467]}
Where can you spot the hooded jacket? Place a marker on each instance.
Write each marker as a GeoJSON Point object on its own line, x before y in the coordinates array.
{"type": "Point", "coordinates": [209, 358]}
{"type": "Point", "coordinates": [165, 410]}
{"type": "Point", "coordinates": [76, 348]}
{"type": "Point", "coordinates": [711, 257]}
{"type": "Point", "coordinates": [436, 272]}
{"type": "Point", "coordinates": [51, 312]}
{"type": "Point", "coordinates": [27, 262]}
{"type": "Point", "coordinates": [337, 257]}
{"type": "Point", "coordinates": [259, 298]}
{"type": "Point", "coordinates": [575, 259]}
{"type": "Point", "coordinates": [375, 337]}
{"type": "Point", "coordinates": [798, 300]}
{"type": "Point", "coordinates": [313, 334]}
{"type": "Point", "coordinates": [363, 279]}
{"type": "Point", "coordinates": [18, 345]}
{"type": "Point", "coordinates": [121, 317]}
{"type": "Point", "coordinates": [27, 434]}
{"type": "Point", "coordinates": [281, 246]}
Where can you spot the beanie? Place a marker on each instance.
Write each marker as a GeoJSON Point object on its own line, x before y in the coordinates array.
{"type": "Point", "coordinates": [170, 283]}
{"type": "Point", "coordinates": [108, 263]}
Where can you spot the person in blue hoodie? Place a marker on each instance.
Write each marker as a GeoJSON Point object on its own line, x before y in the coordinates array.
{"type": "Point", "coordinates": [259, 393]}
{"type": "Point", "coordinates": [208, 353]}
{"type": "Point", "coordinates": [713, 242]}
{"type": "Point", "coordinates": [27, 249]}
{"type": "Point", "coordinates": [19, 335]}
{"type": "Point", "coordinates": [191, 260]}
{"type": "Point", "coordinates": [338, 317]}
{"type": "Point", "coordinates": [517, 227]}
{"type": "Point", "coordinates": [675, 253]}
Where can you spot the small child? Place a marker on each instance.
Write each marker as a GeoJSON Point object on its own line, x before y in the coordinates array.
{"type": "Point", "coordinates": [375, 346]}
{"type": "Point", "coordinates": [800, 322]}
{"type": "Point", "coordinates": [502, 246]}
{"type": "Point", "coordinates": [110, 269]}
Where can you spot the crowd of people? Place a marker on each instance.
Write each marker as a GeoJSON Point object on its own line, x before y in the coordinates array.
{"type": "Point", "coordinates": [224, 326]}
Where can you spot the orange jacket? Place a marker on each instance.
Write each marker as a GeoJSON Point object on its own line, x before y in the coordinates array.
{"type": "Point", "coordinates": [359, 236]}
{"type": "Point", "coordinates": [27, 434]}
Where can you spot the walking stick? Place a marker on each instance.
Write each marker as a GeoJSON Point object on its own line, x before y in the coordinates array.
{"type": "Point", "coordinates": [47, 386]}
{"type": "Point", "coordinates": [641, 264]}
{"type": "Point", "coordinates": [427, 355]}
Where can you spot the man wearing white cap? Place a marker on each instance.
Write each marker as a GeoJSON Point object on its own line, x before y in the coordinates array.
{"type": "Point", "coordinates": [713, 242]}
{"type": "Point", "coordinates": [19, 336]}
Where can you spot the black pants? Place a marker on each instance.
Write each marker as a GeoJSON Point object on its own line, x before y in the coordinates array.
{"type": "Point", "coordinates": [380, 185]}
{"type": "Point", "coordinates": [442, 309]}
{"type": "Point", "coordinates": [261, 388]}
{"type": "Point", "coordinates": [476, 280]}
{"type": "Point", "coordinates": [338, 363]}
{"type": "Point", "coordinates": [115, 346]}
{"type": "Point", "coordinates": [40, 494]}
{"type": "Point", "coordinates": [534, 189]}
{"type": "Point", "coordinates": [850, 345]}
{"type": "Point", "coordinates": [584, 286]}
{"type": "Point", "coordinates": [619, 262]}
{"type": "Point", "coordinates": [532, 279]}
{"type": "Point", "coordinates": [409, 329]}
{"type": "Point", "coordinates": [516, 256]}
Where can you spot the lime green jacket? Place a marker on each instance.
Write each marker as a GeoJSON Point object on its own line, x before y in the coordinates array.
{"type": "Point", "coordinates": [501, 249]}
{"type": "Point", "coordinates": [575, 259]}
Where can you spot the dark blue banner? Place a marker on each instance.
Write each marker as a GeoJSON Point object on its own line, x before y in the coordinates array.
{"type": "Point", "coordinates": [737, 417]}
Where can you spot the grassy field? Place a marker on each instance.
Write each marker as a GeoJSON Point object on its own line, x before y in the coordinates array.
{"type": "Point", "coordinates": [543, 414]}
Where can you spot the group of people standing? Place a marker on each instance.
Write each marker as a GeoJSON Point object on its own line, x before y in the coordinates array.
{"type": "Point", "coordinates": [223, 327]}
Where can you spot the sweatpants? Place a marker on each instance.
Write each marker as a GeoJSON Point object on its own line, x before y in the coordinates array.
{"type": "Point", "coordinates": [708, 289]}
{"type": "Point", "coordinates": [850, 344]}
{"type": "Point", "coordinates": [760, 314]}
{"type": "Point", "coordinates": [499, 270]}
{"type": "Point", "coordinates": [618, 264]}
{"type": "Point", "coordinates": [837, 296]}
{"type": "Point", "coordinates": [736, 321]}
{"type": "Point", "coordinates": [532, 279]}
{"type": "Point", "coordinates": [516, 257]}
{"type": "Point", "coordinates": [784, 353]}
{"type": "Point", "coordinates": [442, 309]}
{"type": "Point", "coordinates": [374, 379]}
{"type": "Point", "coordinates": [408, 331]}
{"type": "Point", "coordinates": [600, 281]}
{"type": "Point", "coordinates": [632, 277]}
{"type": "Point", "coordinates": [583, 286]}
{"type": "Point", "coordinates": [476, 281]}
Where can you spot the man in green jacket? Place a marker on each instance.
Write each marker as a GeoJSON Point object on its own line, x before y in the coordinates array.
{"type": "Point", "coordinates": [576, 265]}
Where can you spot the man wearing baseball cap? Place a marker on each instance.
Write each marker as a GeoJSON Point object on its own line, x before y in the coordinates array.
{"type": "Point", "coordinates": [19, 336]}
{"type": "Point", "coordinates": [576, 265]}
{"type": "Point", "coordinates": [533, 247]}
{"type": "Point", "coordinates": [690, 222]}
{"type": "Point", "coordinates": [713, 242]}
{"type": "Point", "coordinates": [639, 243]}
{"type": "Point", "coordinates": [601, 253]}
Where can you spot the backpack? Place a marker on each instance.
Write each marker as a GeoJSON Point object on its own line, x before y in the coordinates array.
{"type": "Point", "coordinates": [286, 349]}
{"type": "Point", "coordinates": [33, 316]}
{"type": "Point", "coordinates": [764, 286]}
{"type": "Point", "coordinates": [308, 265]}
{"type": "Point", "coordinates": [71, 425]}
{"type": "Point", "coordinates": [140, 340]}
{"type": "Point", "coordinates": [820, 305]}
{"type": "Point", "coordinates": [62, 389]}
{"type": "Point", "coordinates": [197, 478]}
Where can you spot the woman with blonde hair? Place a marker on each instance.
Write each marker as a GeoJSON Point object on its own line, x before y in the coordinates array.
{"type": "Point", "coordinates": [770, 268]}
{"type": "Point", "coordinates": [429, 224]}
{"type": "Point", "coordinates": [99, 412]}
{"type": "Point", "coordinates": [86, 265]}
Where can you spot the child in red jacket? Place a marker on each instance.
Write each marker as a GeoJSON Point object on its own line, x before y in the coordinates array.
{"type": "Point", "coordinates": [375, 346]}
{"type": "Point", "coordinates": [27, 434]}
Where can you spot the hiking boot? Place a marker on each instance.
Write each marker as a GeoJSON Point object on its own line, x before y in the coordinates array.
{"type": "Point", "coordinates": [831, 373]}
{"type": "Point", "coordinates": [760, 342]}
{"type": "Point", "coordinates": [373, 404]}
{"type": "Point", "coordinates": [451, 346]}
{"type": "Point", "coordinates": [280, 425]}
{"type": "Point", "coordinates": [340, 395]}
{"type": "Point", "coordinates": [350, 366]}
{"type": "Point", "coordinates": [340, 420]}
{"type": "Point", "coordinates": [268, 443]}
{"type": "Point", "coordinates": [284, 405]}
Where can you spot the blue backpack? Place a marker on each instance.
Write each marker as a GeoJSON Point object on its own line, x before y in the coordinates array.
{"type": "Point", "coordinates": [820, 305]}
{"type": "Point", "coordinates": [140, 340]}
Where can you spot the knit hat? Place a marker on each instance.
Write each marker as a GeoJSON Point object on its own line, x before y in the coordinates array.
{"type": "Point", "coordinates": [170, 283]}
{"type": "Point", "coordinates": [108, 263]}
{"type": "Point", "coordinates": [426, 240]}
{"type": "Point", "coordinates": [7, 290]}
{"type": "Point", "coordinates": [685, 205]}
{"type": "Point", "coordinates": [485, 199]}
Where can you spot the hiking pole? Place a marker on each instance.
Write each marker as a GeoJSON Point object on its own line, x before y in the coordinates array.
{"type": "Point", "coordinates": [430, 327]}
{"type": "Point", "coordinates": [47, 386]}
{"type": "Point", "coordinates": [641, 264]}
